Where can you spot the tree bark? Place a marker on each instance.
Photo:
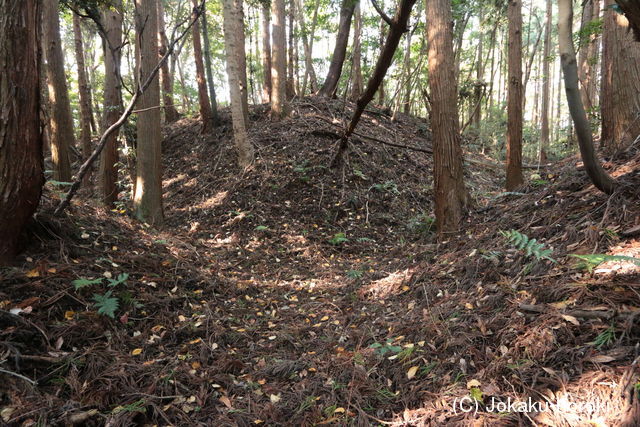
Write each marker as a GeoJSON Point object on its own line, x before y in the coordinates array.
{"type": "Point", "coordinates": [381, 37]}
{"type": "Point", "coordinates": [170, 112]}
{"type": "Point", "coordinates": [209, 67]}
{"type": "Point", "coordinates": [206, 115]}
{"type": "Point", "coordinates": [21, 163]}
{"type": "Point", "coordinates": [620, 96]}
{"type": "Point", "coordinates": [278, 61]}
{"type": "Point", "coordinates": [147, 199]}
{"type": "Point", "coordinates": [356, 87]}
{"type": "Point", "coordinates": [631, 9]}
{"type": "Point", "coordinates": [546, 81]}
{"type": "Point", "coordinates": [84, 92]}
{"type": "Point", "coordinates": [112, 99]}
{"type": "Point", "coordinates": [514, 97]}
{"type": "Point", "coordinates": [594, 169]}
{"type": "Point", "coordinates": [232, 48]}
{"type": "Point", "coordinates": [61, 125]}
{"type": "Point", "coordinates": [339, 53]}
{"type": "Point", "coordinates": [266, 52]}
{"type": "Point", "coordinates": [450, 194]}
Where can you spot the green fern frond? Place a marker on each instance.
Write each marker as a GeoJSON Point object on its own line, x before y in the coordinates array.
{"type": "Point", "coordinates": [531, 247]}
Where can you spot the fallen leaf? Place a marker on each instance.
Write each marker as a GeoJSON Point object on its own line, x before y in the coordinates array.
{"type": "Point", "coordinates": [275, 398]}
{"type": "Point", "coordinates": [69, 314]}
{"type": "Point", "coordinates": [136, 351]}
{"type": "Point", "coordinates": [225, 400]}
{"type": "Point", "coordinates": [33, 273]}
{"type": "Point", "coordinates": [412, 372]}
{"type": "Point", "coordinates": [473, 383]}
{"type": "Point", "coordinates": [571, 319]}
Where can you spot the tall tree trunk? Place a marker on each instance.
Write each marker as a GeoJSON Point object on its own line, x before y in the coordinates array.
{"type": "Point", "coordinates": [356, 87]}
{"type": "Point", "coordinates": [583, 53]}
{"type": "Point", "coordinates": [340, 51]}
{"type": "Point", "coordinates": [238, 13]}
{"type": "Point", "coordinates": [85, 94]}
{"type": "Point", "coordinates": [406, 107]}
{"type": "Point", "coordinates": [62, 136]}
{"type": "Point", "coordinates": [278, 61]}
{"type": "Point", "coordinates": [166, 81]}
{"type": "Point", "coordinates": [307, 44]}
{"type": "Point", "coordinates": [479, 83]}
{"type": "Point", "coordinates": [112, 99]}
{"type": "Point", "coordinates": [232, 48]}
{"type": "Point", "coordinates": [620, 97]}
{"type": "Point", "coordinates": [451, 197]}
{"type": "Point", "coordinates": [21, 162]}
{"type": "Point", "coordinates": [381, 37]}
{"type": "Point", "coordinates": [514, 97]}
{"type": "Point", "coordinates": [291, 92]}
{"type": "Point", "coordinates": [546, 82]}
{"type": "Point", "coordinates": [206, 115]}
{"type": "Point", "coordinates": [598, 175]}
{"type": "Point", "coordinates": [266, 52]}
{"type": "Point", "coordinates": [147, 199]}
{"type": "Point", "coordinates": [209, 67]}
{"type": "Point", "coordinates": [593, 58]}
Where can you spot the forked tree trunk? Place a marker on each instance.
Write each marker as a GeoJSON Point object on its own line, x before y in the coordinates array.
{"type": "Point", "coordinates": [594, 169]}
{"type": "Point", "coordinates": [112, 99]}
{"type": "Point", "coordinates": [206, 115]}
{"type": "Point", "coordinates": [278, 61]}
{"type": "Point", "coordinates": [398, 25]}
{"type": "Point", "coordinates": [356, 87]}
{"type": "Point", "coordinates": [84, 92]}
{"type": "Point", "coordinates": [61, 136]}
{"type": "Point", "coordinates": [166, 81]}
{"type": "Point", "coordinates": [232, 48]}
{"type": "Point", "coordinates": [450, 194]}
{"type": "Point", "coordinates": [620, 96]}
{"type": "Point", "coordinates": [266, 51]}
{"type": "Point", "coordinates": [340, 51]}
{"type": "Point", "coordinates": [546, 82]}
{"type": "Point", "coordinates": [514, 97]}
{"type": "Point", "coordinates": [21, 162]}
{"type": "Point", "coordinates": [209, 67]}
{"type": "Point", "coordinates": [147, 199]}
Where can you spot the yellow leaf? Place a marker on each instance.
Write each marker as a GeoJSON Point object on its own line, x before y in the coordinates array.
{"type": "Point", "coordinates": [468, 306]}
{"type": "Point", "coordinates": [262, 381]}
{"type": "Point", "coordinates": [340, 410]}
{"type": "Point", "coordinates": [258, 421]}
{"type": "Point", "coordinates": [196, 341]}
{"type": "Point", "coordinates": [33, 273]}
{"type": "Point", "coordinates": [69, 314]}
{"type": "Point", "coordinates": [275, 398]}
{"type": "Point", "coordinates": [52, 270]}
{"type": "Point", "coordinates": [412, 372]}
{"type": "Point", "coordinates": [195, 365]}
{"type": "Point", "coordinates": [473, 383]}
{"type": "Point", "coordinates": [324, 318]}
{"type": "Point", "coordinates": [136, 351]}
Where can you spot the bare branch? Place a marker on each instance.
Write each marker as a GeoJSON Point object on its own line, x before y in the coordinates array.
{"type": "Point", "coordinates": [383, 15]}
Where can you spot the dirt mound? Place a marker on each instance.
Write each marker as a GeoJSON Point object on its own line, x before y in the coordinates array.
{"type": "Point", "coordinates": [294, 294]}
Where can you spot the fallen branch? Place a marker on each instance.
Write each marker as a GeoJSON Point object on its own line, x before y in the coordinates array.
{"type": "Point", "coordinates": [125, 115]}
{"type": "Point", "coordinates": [584, 314]}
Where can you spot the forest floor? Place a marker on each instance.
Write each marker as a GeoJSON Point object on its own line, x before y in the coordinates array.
{"type": "Point", "coordinates": [294, 294]}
